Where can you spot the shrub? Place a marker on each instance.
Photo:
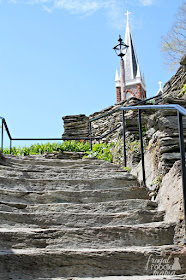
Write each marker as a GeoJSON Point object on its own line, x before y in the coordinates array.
{"type": "Point", "coordinates": [101, 151]}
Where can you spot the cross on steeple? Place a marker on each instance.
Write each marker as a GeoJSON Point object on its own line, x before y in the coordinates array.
{"type": "Point", "coordinates": [160, 85]}
{"type": "Point", "coordinates": [133, 81]}
{"type": "Point", "coordinates": [127, 14]}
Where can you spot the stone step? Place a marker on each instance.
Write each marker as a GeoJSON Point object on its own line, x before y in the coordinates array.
{"type": "Point", "coordinates": [78, 219]}
{"type": "Point", "coordinates": [67, 184]}
{"type": "Point", "coordinates": [152, 234]}
{"type": "Point", "coordinates": [99, 207]}
{"type": "Point", "coordinates": [101, 166]}
{"type": "Point", "coordinates": [67, 174]}
{"type": "Point", "coordinates": [137, 277]}
{"type": "Point", "coordinates": [130, 261]}
{"type": "Point", "coordinates": [40, 160]}
{"type": "Point", "coordinates": [148, 277]}
{"type": "Point", "coordinates": [88, 196]}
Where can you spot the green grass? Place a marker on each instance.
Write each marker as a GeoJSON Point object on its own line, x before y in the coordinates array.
{"type": "Point", "coordinates": [101, 151]}
{"type": "Point", "coordinates": [38, 149]}
{"type": "Point", "coordinates": [183, 91]}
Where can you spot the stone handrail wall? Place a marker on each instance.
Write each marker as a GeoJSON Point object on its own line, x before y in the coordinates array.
{"type": "Point", "coordinates": [76, 126]}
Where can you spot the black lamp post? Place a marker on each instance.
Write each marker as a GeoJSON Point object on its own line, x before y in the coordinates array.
{"type": "Point", "coordinates": [121, 49]}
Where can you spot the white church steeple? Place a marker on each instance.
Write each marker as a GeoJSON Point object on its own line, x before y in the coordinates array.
{"type": "Point", "coordinates": [117, 79]}
{"type": "Point", "coordinates": [135, 83]}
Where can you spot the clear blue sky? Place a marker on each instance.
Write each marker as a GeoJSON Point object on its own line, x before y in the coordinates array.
{"type": "Point", "coordinates": [56, 57]}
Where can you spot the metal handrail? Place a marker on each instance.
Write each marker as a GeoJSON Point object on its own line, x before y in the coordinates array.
{"type": "Point", "coordinates": [135, 104]}
{"type": "Point", "coordinates": [167, 107]}
{"type": "Point", "coordinates": [63, 138]}
{"type": "Point", "coordinates": [180, 113]}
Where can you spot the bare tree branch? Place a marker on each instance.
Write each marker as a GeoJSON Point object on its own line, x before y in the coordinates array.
{"type": "Point", "coordinates": [174, 43]}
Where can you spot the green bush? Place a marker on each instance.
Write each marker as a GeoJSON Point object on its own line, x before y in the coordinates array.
{"type": "Point", "coordinates": [101, 151]}
{"type": "Point", "coordinates": [127, 168]}
{"type": "Point", "coordinates": [38, 149]}
{"type": "Point", "coordinates": [183, 91]}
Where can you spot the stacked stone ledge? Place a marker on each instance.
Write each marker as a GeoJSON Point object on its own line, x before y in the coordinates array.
{"type": "Point", "coordinates": [174, 86]}
{"type": "Point", "coordinates": [162, 126]}
{"type": "Point", "coordinates": [76, 126]}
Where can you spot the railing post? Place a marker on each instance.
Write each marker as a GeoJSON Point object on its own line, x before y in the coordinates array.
{"type": "Point", "coordinates": [183, 170]}
{"type": "Point", "coordinates": [10, 146]}
{"type": "Point", "coordinates": [90, 133]}
{"type": "Point", "coordinates": [142, 151]}
{"type": "Point", "coordinates": [2, 136]}
{"type": "Point", "coordinates": [124, 139]}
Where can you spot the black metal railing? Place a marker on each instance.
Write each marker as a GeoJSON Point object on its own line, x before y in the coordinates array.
{"type": "Point", "coordinates": [98, 138]}
{"type": "Point", "coordinates": [180, 113]}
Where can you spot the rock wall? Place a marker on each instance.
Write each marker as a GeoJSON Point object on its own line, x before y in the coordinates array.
{"type": "Point", "coordinates": [174, 86]}
{"type": "Point", "coordinates": [160, 127]}
{"type": "Point", "coordinates": [106, 124]}
{"type": "Point", "coordinates": [165, 136]}
{"type": "Point", "coordinates": [76, 126]}
{"type": "Point", "coordinates": [161, 142]}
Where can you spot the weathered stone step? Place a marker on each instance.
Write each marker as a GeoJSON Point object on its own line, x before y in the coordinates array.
{"type": "Point", "coordinates": [153, 234]}
{"type": "Point", "coordinates": [67, 184]}
{"type": "Point", "coordinates": [119, 175]}
{"type": "Point", "coordinates": [61, 173]}
{"type": "Point", "coordinates": [78, 218]}
{"type": "Point", "coordinates": [137, 277]}
{"type": "Point", "coordinates": [101, 166]}
{"type": "Point", "coordinates": [71, 219]}
{"type": "Point", "coordinates": [42, 263]}
{"type": "Point", "coordinates": [40, 160]}
{"type": "Point", "coordinates": [89, 196]}
{"type": "Point", "coordinates": [99, 207]}
{"type": "Point", "coordinates": [149, 277]}
{"type": "Point", "coordinates": [67, 174]}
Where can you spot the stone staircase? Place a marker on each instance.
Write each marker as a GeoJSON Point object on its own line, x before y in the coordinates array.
{"type": "Point", "coordinates": [81, 219]}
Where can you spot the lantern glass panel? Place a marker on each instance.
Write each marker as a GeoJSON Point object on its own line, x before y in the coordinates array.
{"type": "Point", "coordinates": [123, 50]}
{"type": "Point", "coordinates": [117, 50]}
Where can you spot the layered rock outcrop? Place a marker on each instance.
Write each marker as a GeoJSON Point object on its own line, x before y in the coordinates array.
{"type": "Point", "coordinates": [76, 126]}
{"type": "Point", "coordinates": [173, 88]}
{"type": "Point", "coordinates": [161, 142]}
{"type": "Point", "coordinates": [161, 126]}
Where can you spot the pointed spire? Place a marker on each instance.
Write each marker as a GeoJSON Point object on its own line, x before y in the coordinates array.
{"type": "Point", "coordinates": [138, 74]}
{"type": "Point", "coordinates": [132, 68]}
{"type": "Point", "coordinates": [117, 76]}
{"type": "Point", "coordinates": [143, 79]}
{"type": "Point", "coordinates": [127, 14]}
{"type": "Point", "coordinates": [133, 77]}
{"type": "Point", "coordinates": [117, 79]}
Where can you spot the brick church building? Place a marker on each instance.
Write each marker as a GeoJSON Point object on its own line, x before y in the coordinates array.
{"type": "Point", "coordinates": [134, 81]}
